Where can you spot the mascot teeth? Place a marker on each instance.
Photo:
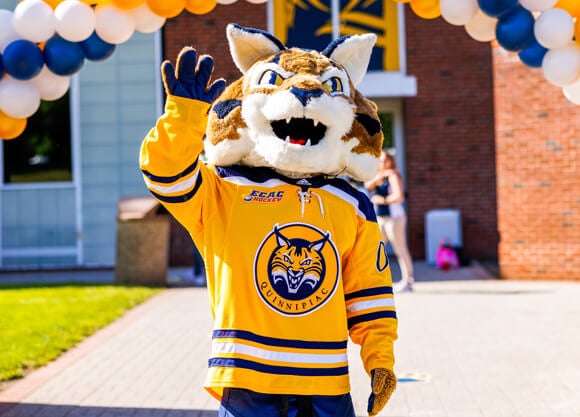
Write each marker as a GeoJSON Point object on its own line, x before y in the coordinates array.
{"type": "Point", "coordinates": [299, 131]}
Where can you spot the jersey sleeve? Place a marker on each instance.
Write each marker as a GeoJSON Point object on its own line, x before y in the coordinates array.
{"type": "Point", "coordinates": [171, 166]}
{"type": "Point", "coordinates": [370, 304]}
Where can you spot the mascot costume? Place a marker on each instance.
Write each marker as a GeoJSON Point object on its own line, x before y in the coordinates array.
{"type": "Point", "coordinates": [294, 258]}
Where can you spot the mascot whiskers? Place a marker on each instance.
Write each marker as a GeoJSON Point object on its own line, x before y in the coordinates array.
{"type": "Point", "coordinates": [294, 260]}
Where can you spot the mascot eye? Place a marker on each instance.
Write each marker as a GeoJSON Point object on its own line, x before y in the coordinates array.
{"type": "Point", "coordinates": [306, 262]}
{"type": "Point", "coordinates": [287, 259]}
{"type": "Point", "coordinates": [333, 85]}
{"type": "Point", "coordinates": [270, 77]}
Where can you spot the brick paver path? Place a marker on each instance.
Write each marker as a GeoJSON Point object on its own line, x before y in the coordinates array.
{"type": "Point", "coordinates": [474, 348]}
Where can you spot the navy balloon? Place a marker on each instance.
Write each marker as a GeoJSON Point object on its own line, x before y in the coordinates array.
{"type": "Point", "coordinates": [533, 55]}
{"type": "Point", "coordinates": [1, 67]}
{"type": "Point", "coordinates": [97, 49]}
{"type": "Point", "coordinates": [497, 8]}
{"type": "Point", "coordinates": [22, 59]}
{"type": "Point", "coordinates": [63, 57]}
{"type": "Point", "coordinates": [515, 30]}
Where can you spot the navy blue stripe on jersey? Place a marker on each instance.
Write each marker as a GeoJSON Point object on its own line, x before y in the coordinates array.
{"type": "Point", "coordinates": [370, 292]}
{"type": "Point", "coordinates": [173, 178]}
{"type": "Point", "coordinates": [389, 314]}
{"type": "Point", "coordinates": [272, 341]}
{"type": "Point", "coordinates": [276, 370]}
{"type": "Point", "coordinates": [179, 198]}
{"type": "Point", "coordinates": [263, 174]}
{"type": "Point", "coordinates": [254, 174]}
{"type": "Point", "coordinates": [364, 204]}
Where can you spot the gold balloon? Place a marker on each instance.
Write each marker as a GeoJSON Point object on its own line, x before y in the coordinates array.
{"type": "Point", "coordinates": [127, 4]}
{"type": "Point", "coordinates": [571, 6]}
{"type": "Point", "coordinates": [427, 9]}
{"type": "Point", "coordinates": [10, 127]}
{"type": "Point", "coordinates": [53, 3]}
{"type": "Point", "coordinates": [200, 6]}
{"type": "Point", "coordinates": [166, 8]}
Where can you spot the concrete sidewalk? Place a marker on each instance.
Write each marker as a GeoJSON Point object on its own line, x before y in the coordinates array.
{"type": "Point", "coordinates": [468, 346]}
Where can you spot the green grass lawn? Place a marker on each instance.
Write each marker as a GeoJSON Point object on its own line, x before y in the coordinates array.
{"type": "Point", "coordinates": [37, 324]}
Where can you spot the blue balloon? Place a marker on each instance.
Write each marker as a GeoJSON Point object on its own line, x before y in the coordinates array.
{"type": "Point", "coordinates": [515, 30]}
{"type": "Point", "coordinates": [97, 49]}
{"type": "Point", "coordinates": [63, 57]}
{"type": "Point", "coordinates": [22, 59]}
{"type": "Point", "coordinates": [1, 67]}
{"type": "Point", "coordinates": [533, 55]}
{"type": "Point", "coordinates": [497, 8]}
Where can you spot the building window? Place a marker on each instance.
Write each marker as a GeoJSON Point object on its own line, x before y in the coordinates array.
{"type": "Point", "coordinates": [43, 152]}
{"type": "Point", "coordinates": [312, 24]}
{"type": "Point", "coordinates": [387, 123]}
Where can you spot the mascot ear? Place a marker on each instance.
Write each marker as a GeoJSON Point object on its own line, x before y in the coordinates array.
{"type": "Point", "coordinates": [353, 53]}
{"type": "Point", "coordinates": [247, 45]}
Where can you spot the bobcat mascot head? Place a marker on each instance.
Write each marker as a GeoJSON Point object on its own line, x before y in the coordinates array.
{"type": "Point", "coordinates": [297, 111]}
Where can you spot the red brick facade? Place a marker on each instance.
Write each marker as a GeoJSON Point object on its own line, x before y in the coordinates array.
{"type": "Point", "coordinates": [538, 154]}
{"type": "Point", "coordinates": [449, 133]}
{"type": "Point", "coordinates": [207, 33]}
{"type": "Point", "coordinates": [485, 135]}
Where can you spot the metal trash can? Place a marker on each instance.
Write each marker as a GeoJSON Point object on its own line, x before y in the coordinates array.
{"type": "Point", "coordinates": [441, 225]}
{"type": "Point", "coordinates": [142, 253]}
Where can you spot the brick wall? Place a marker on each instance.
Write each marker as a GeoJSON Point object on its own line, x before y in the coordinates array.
{"type": "Point", "coordinates": [449, 131]}
{"type": "Point", "coordinates": [207, 33]}
{"type": "Point", "coordinates": [538, 153]}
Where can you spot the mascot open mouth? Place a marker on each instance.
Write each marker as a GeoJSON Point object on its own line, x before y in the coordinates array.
{"type": "Point", "coordinates": [302, 131]}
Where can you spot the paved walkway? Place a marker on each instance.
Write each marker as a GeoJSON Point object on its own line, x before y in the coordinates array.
{"type": "Point", "coordinates": [469, 346]}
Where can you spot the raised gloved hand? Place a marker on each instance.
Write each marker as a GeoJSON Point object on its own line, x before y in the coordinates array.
{"type": "Point", "coordinates": [383, 383]}
{"type": "Point", "coordinates": [190, 78]}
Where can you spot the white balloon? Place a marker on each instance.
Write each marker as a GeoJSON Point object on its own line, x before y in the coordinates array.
{"type": "Point", "coordinates": [554, 28]}
{"type": "Point", "coordinates": [114, 25]}
{"type": "Point", "coordinates": [50, 85]}
{"type": "Point", "coordinates": [256, 1]}
{"type": "Point", "coordinates": [538, 5]}
{"type": "Point", "coordinates": [561, 66]}
{"type": "Point", "coordinates": [481, 27]}
{"type": "Point", "coordinates": [458, 12]}
{"type": "Point", "coordinates": [7, 33]}
{"type": "Point", "coordinates": [34, 20]}
{"type": "Point", "coordinates": [145, 20]}
{"type": "Point", "coordinates": [75, 20]}
{"type": "Point", "coordinates": [226, 1]}
{"type": "Point", "coordinates": [572, 92]}
{"type": "Point", "coordinates": [18, 99]}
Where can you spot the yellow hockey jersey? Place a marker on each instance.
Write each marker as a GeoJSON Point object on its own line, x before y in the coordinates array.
{"type": "Point", "coordinates": [294, 266]}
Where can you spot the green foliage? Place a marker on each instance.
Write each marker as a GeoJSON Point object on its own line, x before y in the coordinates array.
{"type": "Point", "coordinates": [44, 148]}
{"type": "Point", "coordinates": [38, 324]}
{"type": "Point", "coordinates": [387, 122]}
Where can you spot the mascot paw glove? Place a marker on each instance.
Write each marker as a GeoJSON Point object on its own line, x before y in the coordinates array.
{"type": "Point", "coordinates": [191, 77]}
{"type": "Point", "coordinates": [383, 383]}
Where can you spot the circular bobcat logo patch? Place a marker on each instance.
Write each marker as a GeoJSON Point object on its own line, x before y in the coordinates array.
{"type": "Point", "coordinates": [296, 269]}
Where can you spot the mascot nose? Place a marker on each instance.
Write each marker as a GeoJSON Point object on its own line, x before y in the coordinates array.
{"type": "Point", "coordinates": [305, 95]}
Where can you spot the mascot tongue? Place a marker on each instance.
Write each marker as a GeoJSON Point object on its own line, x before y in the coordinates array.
{"type": "Point", "coordinates": [299, 141]}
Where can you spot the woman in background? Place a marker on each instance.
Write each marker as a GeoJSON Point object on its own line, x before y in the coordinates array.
{"type": "Point", "coordinates": [386, 193]}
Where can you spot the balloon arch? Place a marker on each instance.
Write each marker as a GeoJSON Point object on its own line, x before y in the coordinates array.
{"type": "Point", "coordinates": [44, 42]}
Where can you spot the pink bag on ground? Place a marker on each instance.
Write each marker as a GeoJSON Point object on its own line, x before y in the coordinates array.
{"type": "Point", "coordinates": [446, 258]}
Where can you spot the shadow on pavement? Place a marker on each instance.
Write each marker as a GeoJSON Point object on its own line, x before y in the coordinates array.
{"type": "Point", "coordinates": [50, 410]}
{"type": "Point", "coordinates": [492, 291]}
